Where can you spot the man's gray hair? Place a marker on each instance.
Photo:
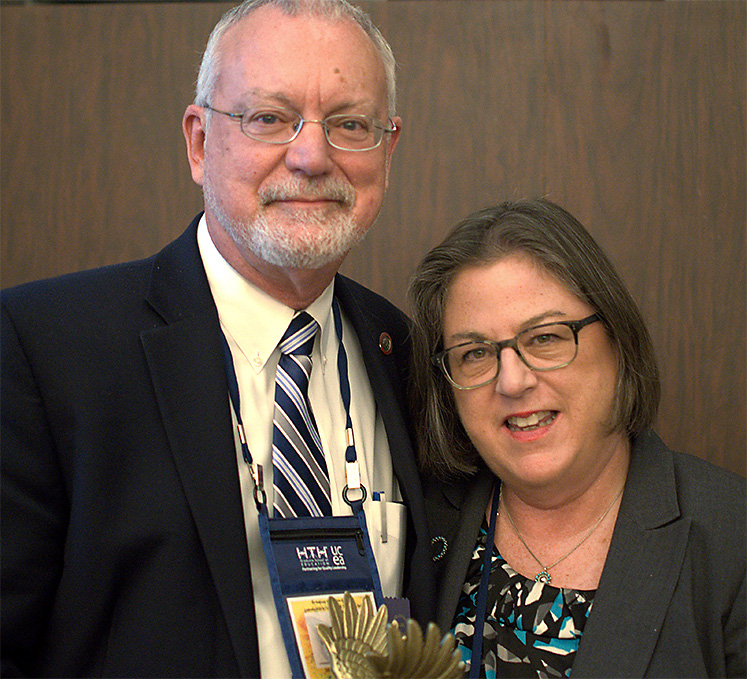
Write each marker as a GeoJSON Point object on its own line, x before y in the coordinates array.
{"type": "Point", "coordinates": [328, 9]}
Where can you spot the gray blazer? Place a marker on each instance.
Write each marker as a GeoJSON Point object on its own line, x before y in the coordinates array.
{"type": "Point", "coordinates": [671, 600]}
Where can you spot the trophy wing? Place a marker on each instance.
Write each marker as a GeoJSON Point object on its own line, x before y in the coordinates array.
{"type": "Point", "coordinates": [354, 637]}
{"type": "Point", "coordinates": [363, 646]}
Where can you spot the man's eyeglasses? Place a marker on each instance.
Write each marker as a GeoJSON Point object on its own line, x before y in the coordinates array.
{"type": "Point", "coordinates": [543, 347]}
{"type": "Point", "coordinates": [347, 132]}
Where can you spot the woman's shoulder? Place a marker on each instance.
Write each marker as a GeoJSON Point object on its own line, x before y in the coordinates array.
{"type": "Point", "coordinates": [714, 499]}
{"type": "Point", "coordinates": [689, 470]}
{"type": "Point", "coordinates": [703, 475]}
{"type": "Point", "coordinates": [705, 480]}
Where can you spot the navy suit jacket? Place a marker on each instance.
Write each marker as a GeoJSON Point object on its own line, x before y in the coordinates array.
{"type": "Point", "coordinates": [671, 599]}
{"type": "Point", "coordinates": [123, 543]}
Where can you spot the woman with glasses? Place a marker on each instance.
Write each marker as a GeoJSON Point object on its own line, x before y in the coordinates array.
{"type": "Point", "coordinates": [535, 386]}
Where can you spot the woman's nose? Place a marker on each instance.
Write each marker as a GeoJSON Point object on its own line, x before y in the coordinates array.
{"type": "Point", "coordinates": [514, 376]}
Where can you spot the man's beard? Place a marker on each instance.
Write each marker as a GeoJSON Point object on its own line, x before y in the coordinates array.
{"type": "Point", "coordinates": [298, 239]}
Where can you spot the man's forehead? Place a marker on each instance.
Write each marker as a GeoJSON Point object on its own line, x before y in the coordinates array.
{"type": "Point", "coordinates": [269, 49]}
{"type": "Point", "coordinates": [254, 96]}
{"type": "Point", "coordinates": [266, 24]}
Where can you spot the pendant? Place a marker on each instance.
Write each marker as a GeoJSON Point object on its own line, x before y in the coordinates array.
{"type": "Point", "coordinates": [543, 576]}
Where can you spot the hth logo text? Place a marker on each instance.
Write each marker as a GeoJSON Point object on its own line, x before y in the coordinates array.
{"type": "Point", "coordinates": [327, 558]}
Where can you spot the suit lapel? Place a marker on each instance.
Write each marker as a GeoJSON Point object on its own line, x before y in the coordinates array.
{"type": "Point", "coordinates": [188, 374]}
{"type": "Point", "coordinates": [455, 520]}
{"type": "Point", "coordinates": [642, 568]}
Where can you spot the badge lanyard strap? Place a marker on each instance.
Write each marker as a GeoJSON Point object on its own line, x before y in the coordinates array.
{"type": "Point", "coordinates": [260, 497]}
{"type": "Point", "coordinates": [481, 605]}
{"type": "Point", "coordinates": [352, 469]}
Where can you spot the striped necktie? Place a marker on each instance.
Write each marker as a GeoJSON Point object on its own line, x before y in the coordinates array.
{"type": "Point", "coordinates": [301, 482]}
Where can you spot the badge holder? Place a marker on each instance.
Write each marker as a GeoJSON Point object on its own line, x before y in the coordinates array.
{"type": "Point", "coordinates": [310, 559]}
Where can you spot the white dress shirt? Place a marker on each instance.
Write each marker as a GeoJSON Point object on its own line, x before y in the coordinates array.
{"type": "Point", "coordinates": [253, 324]}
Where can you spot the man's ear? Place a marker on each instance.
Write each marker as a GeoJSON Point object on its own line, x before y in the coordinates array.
{"type": "Point", "coordinates": [391, 142]}
{"type": "Point", "coordinates": [193, 126]}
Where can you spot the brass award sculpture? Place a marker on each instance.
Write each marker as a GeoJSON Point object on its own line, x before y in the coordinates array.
{"type": "Point", "coordinates": [364, 646]}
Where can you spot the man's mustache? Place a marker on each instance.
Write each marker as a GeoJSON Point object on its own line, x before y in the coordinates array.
{"type": "Point", "coordinates": [329, 189]}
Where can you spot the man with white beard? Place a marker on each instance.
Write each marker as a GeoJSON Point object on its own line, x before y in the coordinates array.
{"type": "Point", "coordinates": [131, 544]}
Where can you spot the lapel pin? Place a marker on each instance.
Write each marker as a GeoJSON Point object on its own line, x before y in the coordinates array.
{"type": "Point", "coordinates": [439, 542]}
{"type": "Point", "coordinates": [385, 343]}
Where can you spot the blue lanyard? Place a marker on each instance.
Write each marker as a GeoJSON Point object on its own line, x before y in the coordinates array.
{"type": "Point", "coordinates": [352, 473]}
{"type": "Point", "coordinates": [481, 604]}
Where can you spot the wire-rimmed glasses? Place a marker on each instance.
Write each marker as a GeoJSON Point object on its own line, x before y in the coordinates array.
{"type": "Point", "coordinates": [277, 125]}
{"type": "Point", "coordinates": [548, 346]}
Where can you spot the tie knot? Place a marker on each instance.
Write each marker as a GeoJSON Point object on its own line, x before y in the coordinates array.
{"type": "Point", "coordinates": [299, 337]}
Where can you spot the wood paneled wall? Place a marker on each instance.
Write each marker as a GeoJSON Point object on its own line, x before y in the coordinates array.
{"type": "Point", "coordinates": [631, 115]}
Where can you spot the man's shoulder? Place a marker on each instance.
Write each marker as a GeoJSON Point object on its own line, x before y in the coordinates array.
{"type": "Point", "coordinates": [357, 298]}
{"type": "Point", "coordinates": [107, 285]}
{"type": "Point", "coordinates": [79, 286]}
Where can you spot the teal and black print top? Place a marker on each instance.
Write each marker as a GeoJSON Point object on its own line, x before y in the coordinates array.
{"type": "Point", "coordinates": [532, 629]}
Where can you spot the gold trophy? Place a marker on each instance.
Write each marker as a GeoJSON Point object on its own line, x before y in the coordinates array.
{"type": "Point", "coordinates": [363, 645]}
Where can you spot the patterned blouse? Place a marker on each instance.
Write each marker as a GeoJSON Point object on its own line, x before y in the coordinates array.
{"type": "Point", "coordinates": [532, 629]}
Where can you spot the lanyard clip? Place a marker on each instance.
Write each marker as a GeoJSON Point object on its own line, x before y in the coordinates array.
{"type": "Point", "coordinates": [352, 475]}
{"type": "Point", "coordinates": [260, 497]}
{"type": "Point", "coordinates": [352, 469]}
{"type": "Point", "coordinates": [353, 482]}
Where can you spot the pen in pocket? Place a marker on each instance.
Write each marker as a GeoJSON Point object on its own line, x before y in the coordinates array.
{"type": "Point", "coordinates": [380, 497]}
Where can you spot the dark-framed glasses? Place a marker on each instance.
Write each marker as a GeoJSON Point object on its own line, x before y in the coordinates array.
{"type": "Point", "coordinates": [549, 346]}
{"type": "Point", "coordinates": [276, 125]}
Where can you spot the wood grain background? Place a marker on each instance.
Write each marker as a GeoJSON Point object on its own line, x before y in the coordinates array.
{"type": "Point", "coordinates": [629, 114]}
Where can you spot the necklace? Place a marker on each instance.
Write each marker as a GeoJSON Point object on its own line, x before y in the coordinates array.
{"type": "Point", "coordinates": [544, 575]}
